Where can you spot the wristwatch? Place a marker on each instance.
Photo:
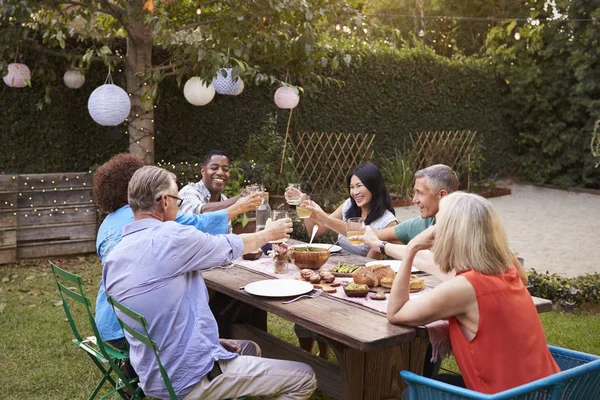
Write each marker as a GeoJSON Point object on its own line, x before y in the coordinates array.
{"type": "Point", "coordinates": [382, 247]}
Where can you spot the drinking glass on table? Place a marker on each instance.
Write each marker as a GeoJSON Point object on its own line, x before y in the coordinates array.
{"type": "Point", "coordinates": [301, 210]}
{"type": "Point", "coordinates": [292, 194]}
{"type": "Point", "coordinates": [355, 226]}
{"type": "Point", "coordinates": [275, 215]}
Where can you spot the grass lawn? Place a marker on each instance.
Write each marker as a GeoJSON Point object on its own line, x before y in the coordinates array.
{"type": "Point", "coordinates": [39, 361]}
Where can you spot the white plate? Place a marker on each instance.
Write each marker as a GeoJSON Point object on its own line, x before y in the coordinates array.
{"type": "Point", "coordinates": [395, 264]}
{"type": "Point", "coordinates": [279, 287]}
{"type": "Point", "coordinates": [334, 249]}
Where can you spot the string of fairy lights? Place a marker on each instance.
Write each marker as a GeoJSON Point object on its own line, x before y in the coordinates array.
{"type": "Point", "coordinates": [27, 195]}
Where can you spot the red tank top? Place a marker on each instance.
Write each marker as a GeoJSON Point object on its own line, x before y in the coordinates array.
{"type": "Point", "coordinates": [510, 346]}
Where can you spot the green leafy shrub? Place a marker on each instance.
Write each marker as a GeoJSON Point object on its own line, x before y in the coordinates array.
{"type": "Point", "coordinates": [398, 174]}
{"type": "Point", "coordinates": [261, 160]}
{"type": "Point", "coordinates": [565, 292]}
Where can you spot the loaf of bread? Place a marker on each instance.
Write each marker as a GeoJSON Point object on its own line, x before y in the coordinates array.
{"type": "Point", "coordinates": [416, 284]}
{"type": "Point", "coordinates": [373, 275]}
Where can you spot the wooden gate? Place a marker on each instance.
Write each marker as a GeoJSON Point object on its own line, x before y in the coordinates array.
{"type": "Point", "coordinates": [45, 215]}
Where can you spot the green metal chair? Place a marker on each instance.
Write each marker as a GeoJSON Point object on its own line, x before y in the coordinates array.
{"type": "Point", "coordinates": [143, 335]}
{"type": "Point", "coordinates": [104, 356]}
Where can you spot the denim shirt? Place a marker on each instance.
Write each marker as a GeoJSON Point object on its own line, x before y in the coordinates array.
{"type": "Point", "coordinates": [109, 235]}
{"type": "Point", "coordinates": [156, 271]}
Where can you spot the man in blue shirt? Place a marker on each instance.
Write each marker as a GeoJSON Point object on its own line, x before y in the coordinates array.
{"type": "Point", "coordinates": [156, 271]}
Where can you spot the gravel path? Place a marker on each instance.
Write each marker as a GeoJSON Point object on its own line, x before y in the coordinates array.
{"type": "Point", "coordinates": [554, 230]}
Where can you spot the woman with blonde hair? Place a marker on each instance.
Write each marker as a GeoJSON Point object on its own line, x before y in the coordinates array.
{"type": "Point", "coordinates": [497, 337]}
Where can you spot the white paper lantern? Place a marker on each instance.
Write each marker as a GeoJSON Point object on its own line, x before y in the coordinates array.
{"type": "Point", "coordinates": [197, 93]}
{"type": "Point", "coordinates": [109, 105]}
{"type": "Point", "coordinates": [17, 75]}
{"type": "Point", "coordinates": [226, 85]}
{"type": "Point", "coordinates": [287, 97]}
{"type": "Point", "coordinates": [73, 79]}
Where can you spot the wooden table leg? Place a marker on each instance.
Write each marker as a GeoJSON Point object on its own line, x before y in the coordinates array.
{"type": "Point", "coordinates": [376, 374]}
{"type": "Point", "coordinates": [228, 311]}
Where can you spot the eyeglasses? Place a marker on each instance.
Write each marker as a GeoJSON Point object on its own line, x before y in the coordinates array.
{"type": "Point", "coordinates": [179, 200]}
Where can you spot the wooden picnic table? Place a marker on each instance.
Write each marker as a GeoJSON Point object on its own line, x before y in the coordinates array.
{"type": "Point", "coordinates": [371, 352]}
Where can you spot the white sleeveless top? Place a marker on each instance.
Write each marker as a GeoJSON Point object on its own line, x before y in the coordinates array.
{"type": "Point", "coordinates": [379, 223]}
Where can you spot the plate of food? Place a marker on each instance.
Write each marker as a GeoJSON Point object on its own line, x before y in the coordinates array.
{"type": "Point", "coordinates": [395, 264]}
{"type": "Point", "coordinates": [332, 248]}
{"type": "Point", "coordinates": [278, 287]}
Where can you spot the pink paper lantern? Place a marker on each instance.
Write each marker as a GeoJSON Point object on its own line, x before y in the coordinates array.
{"type": "Point", "coordinates": [18, 75]}
{"type": "Point", "coordinates": [287, 97]}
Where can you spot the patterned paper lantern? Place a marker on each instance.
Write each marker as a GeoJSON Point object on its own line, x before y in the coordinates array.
{"type": "Point", "coordinates": [109, 105]}
{"type": "Point", "coordinates": [197, 93]}
{"type": "Point", "coordinates": [287, 97]}
{"type": "Point", "coordinates": [17, 75]}
{"type": "Point", "coordinates": [240, 88]}
{"type": "Point", "coordinates": [226, 85]}
{"type": "Point", "coordinates": [73, 79]}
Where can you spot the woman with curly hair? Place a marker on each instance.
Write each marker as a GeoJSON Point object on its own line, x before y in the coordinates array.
{"type": "Point", "coordinates": [110, 191]}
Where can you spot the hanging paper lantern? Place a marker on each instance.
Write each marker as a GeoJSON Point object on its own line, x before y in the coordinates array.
{"type": "Point", "coordinates": [240, 88]}
{"type": "Point", "coordinates": [226, 85]}
{"type": "Point", "coordinates": [109, 105]}
{"type": "Point", "coordinates": [18, 75]}
{"type": "Point", "coordinates": [197, 93]}
{"type": "Point", "coordinates": [287, 97]}
{"type": "Point", "coordinates": [73, 79]}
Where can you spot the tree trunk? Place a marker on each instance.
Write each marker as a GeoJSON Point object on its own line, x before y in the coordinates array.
{"type": "Point", "coordinates": [139, 60]}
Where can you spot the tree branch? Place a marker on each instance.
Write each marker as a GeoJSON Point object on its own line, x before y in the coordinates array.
{"type": "Point", "coordinates": [100, 10]}
{"type": "Point", "coordinates": [116, 11]}
{"type": "Point", "coordinates": [44, 50]}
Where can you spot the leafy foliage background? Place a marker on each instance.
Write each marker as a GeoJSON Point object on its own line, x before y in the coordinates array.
{"type": "Point", "coordinates": [391, 93]}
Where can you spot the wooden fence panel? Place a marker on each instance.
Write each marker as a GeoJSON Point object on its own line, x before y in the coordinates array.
{"type": "Point", "coordinates": [324, 159]}
{"type": "Point", "coordinates": [8, 219]}
{"type": "Point", "coordinates": [52, 214]}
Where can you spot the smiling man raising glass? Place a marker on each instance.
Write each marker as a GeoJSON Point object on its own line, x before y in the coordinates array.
{"type": "Point", "coordinates": [207, 194]}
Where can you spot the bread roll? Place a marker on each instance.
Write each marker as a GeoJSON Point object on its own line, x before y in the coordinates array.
{"type": "Point", "coordinates": [306, 274]}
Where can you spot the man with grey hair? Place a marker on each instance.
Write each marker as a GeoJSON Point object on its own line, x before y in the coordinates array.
{"type": "Point", "coordinates": [431, 185]}
{"type": "Point", "coordinates": [156, 271]}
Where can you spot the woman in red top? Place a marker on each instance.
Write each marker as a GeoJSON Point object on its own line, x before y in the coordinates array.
{"type": "Point", "coordinates": [497, 337]}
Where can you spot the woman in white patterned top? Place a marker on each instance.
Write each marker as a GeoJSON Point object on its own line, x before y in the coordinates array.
{"type": "Point", "coordinates": [369, 199]}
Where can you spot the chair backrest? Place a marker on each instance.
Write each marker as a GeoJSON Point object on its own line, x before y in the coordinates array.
{"type": "Point", "coordinates": [579, 379]}
{"type": "Point", "coordinates": [70, 287]}
{"type": "Point", "coordinates": [143, 335]}
{"type": "Point", "coordinates": [75, 292]}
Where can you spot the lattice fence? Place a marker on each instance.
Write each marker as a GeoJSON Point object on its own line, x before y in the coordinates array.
{"type": "Point", "coordinates": [460, 150]}
{"type": "Point", "coordinates": [324, 159]}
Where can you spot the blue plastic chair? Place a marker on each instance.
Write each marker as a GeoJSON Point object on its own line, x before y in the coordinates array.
{"type": "Point", "coordinates": [579, 380]}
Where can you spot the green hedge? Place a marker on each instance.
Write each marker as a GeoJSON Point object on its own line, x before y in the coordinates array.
{"type": "Point", "coordinates": [565, 292]}
{"type": "Point", "coordinates": [391, 94]}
